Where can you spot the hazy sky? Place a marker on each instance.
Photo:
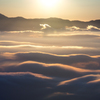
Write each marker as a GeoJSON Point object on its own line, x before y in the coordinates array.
{"type": "Point", "coordinates": [67, 9]}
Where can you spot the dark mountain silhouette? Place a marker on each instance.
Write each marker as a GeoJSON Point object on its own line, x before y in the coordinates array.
{"type": "Point", "coordinates": [20, 23]}
{"type": "Point", "coordinates": [2, 16]}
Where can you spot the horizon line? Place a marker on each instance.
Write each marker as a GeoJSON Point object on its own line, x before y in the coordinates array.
{"type": "Point", "coordinates": [49, 18]}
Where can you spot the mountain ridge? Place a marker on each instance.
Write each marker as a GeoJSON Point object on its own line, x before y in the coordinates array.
{"type": "Point", "coordinates": [21, 23]}
{"type": "Point", "coordinates": [2, 16]}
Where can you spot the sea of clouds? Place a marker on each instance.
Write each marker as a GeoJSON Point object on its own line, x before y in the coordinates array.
{"type": "Point", "coordinates": [51, 64]}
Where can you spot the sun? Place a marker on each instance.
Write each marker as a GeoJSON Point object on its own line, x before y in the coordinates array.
{"type": "Point", "coordinates": [49, 3]}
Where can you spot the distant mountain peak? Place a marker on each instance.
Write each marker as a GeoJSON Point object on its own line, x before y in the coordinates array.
{"type": "Point", "coordinates": [2, 16]}
{"type": "Point", "coordinates": [19, 17]}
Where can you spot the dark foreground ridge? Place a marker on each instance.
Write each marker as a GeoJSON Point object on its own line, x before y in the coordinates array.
{"type": "Point", "coordinates": [20, 23]}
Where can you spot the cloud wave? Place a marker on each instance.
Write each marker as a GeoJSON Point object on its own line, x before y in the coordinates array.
{"type": "Point", "coordinates": [30, 86]}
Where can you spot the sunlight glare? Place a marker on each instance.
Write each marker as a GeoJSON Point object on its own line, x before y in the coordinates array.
{"type": "Point", "coordinates": [49, 3]}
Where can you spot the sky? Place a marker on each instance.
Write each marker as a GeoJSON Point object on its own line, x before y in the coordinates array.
{"type": "Point", "coordinates": [84, 10]}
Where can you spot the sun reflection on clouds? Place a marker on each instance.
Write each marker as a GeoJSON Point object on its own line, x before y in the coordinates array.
{"type": "Point", "coordinates": [44, 26]}
{"type": "Point", "coordinates": [38, 46]}
{"type": "Point", "coordinates": [59, 93]}
{"type": "Point", "coordinates": [78, 47]}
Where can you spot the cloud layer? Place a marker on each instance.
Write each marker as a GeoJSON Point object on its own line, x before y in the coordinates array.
{"type": "Point", "coordinates": [51, 64]}
{"type": "Point", "coordinates": [31, 86]}
{"type": "Point", "coordinates": [78, 61]}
